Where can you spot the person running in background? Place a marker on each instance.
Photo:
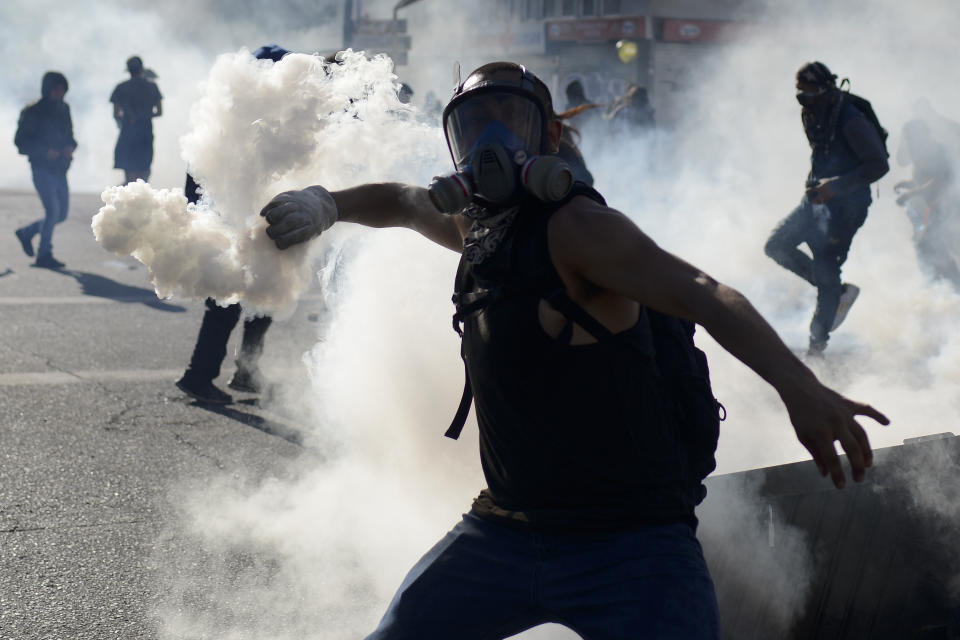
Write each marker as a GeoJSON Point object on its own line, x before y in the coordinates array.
{"type": "Point", "coordinates": [45, 136]}
{"type": "Point", "coordinates": [848, 154]}
{"type": "Point", "coordinates": [136, 103]}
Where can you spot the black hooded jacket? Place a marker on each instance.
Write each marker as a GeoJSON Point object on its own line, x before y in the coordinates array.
{"type": "Point", "coordinates": [45, 125]}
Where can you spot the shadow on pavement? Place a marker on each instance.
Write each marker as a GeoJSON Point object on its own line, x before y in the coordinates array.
{"type": "Point", "coordinates": [253, 420]}
{"type": "Point", "coordinates": [6, 272]}
{"type": "Point", "coordinates": [103, 287]}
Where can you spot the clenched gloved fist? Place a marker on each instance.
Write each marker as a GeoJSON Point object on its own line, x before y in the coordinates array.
{"type": "Point", "coordinates": [297, 216]}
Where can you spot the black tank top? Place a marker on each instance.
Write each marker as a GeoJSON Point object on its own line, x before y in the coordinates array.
{"type": "Point", "coordinates": [572, 438]}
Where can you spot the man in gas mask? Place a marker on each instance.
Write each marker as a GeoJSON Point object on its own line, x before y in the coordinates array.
{"type": "Point", "coordinates": [848, 154]}
{"type": "Point", "coordinates": [588, 515]}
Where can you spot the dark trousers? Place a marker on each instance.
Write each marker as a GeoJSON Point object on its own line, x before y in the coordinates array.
{"type": "Point", "coordinates": [211, 347]}
{"type": "Point", "coordinates": [484, 581]}
{"type": "Point", "coordinates": [54, 194]}
{"type": "Point", "coordinates": [828, 230]}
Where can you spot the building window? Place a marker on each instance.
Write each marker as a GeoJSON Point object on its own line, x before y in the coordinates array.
{"type": "Point", "coordinates": [549, 8]}
{"type": "Point", "coordinates": [611, 7]}
{"type": "Point", "coordinates": [533, 10]}
{"type": "Point", "coordinates": [569, 7]}
{"type": "Point", "coordinates": [590, 7]}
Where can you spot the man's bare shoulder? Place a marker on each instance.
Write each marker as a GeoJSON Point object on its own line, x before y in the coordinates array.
{"type": "Point", "coordinates": [583, 216]}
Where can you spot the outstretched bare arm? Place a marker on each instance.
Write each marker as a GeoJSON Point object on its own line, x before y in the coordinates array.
{"type": "Point", "coordinates": [297, 216]}
{"type": "Point", "coordinates": [605, 249]}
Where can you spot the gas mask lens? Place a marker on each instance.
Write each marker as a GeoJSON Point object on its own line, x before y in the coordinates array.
{"type": "Point", "coordinates": [508, 119]}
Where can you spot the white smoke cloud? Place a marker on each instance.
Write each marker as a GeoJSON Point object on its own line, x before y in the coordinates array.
{"type": "Point", "coordinates": [753, 554]}
{"type": "Point", "coordinates": [260, 128]}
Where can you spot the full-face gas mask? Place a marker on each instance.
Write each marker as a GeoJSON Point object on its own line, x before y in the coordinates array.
{"type": "Point", "coordinates": [496, 129]}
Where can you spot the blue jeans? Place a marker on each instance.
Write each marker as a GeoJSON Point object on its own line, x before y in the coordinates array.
{"type": "Point", "coordinates": [485, 581]}
{"type": "Point", "coordinates": [828, 231]}
{"type": "Point", "coordinates": [52, 188]}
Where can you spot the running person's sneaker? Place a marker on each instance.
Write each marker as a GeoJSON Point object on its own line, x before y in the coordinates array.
{"type": "Point", "coordinates": [26, 241]}
{"type": "Point", "coordinates": [847, 298]}
{"type": "Point", "coordinates": [202, 392]}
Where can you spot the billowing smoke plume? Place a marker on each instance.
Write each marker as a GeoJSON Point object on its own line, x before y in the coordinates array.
{"type": "Point", "coordinates": [258, 129]}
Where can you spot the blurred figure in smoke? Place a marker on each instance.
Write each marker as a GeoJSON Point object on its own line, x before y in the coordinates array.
{"type": "Point", "coordinates": [211, 347]}
{"type": "Point", "coordinates": [432, 109]}
{"type": "Point", "coordinates": [569, 151]}
{"type": "Point", "coordinates": [592, 478]}
{"type": "Point", "coordinates": [575, 95]}
{"type": "Point", "coordinates": [631, 112]}
{"type": "Point", "coordinates": [582, 113]}
{"type": "Point", "coordinates": [848, 154]}
{"type": "Point", "coordinates": [405, 94]}
{"type": "Point", "coordinates": [930, 200]}
{"type": "Point", "coordinates": [45, 136]}
{"type": "Point", "coordinates": [136, 103]}
{"type": "Point", "coordinates": [218, 323]}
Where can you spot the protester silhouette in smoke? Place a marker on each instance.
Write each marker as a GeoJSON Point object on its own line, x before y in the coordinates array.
{"type": "Point", "coordinates": [45, 136]}
{"type": "Point", "coordinates": [136, 103]}
{"type": "Point", "coordinates": [631, 112]}
{"type": "Point", "coordinates": [592, 469]}
{"type": "Point", "coordinates": [405, 94]}
{"type": "Point", "coordinates": [584, 115]}
{"type": "Point", "coordinates": [848, 154]}
{"type": "Point", "coordinates": [218, 323]}
{"type": "Point", "coordinates": [931, 200]}
{"type": "Point", "coordinates": [211, 347]}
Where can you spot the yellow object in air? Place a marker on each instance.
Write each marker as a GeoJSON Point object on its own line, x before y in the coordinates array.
{"type": "Point", "coordinates": [626, 50]}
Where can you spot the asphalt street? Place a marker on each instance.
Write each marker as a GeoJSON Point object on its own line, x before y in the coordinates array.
{"type": "Point", "coordinates": [93, 432]}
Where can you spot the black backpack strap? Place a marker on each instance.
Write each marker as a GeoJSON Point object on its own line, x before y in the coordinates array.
{"type": "Point", "coordinates": [562, 302]}
{"type": "Point", "coordinates": [456, 427]}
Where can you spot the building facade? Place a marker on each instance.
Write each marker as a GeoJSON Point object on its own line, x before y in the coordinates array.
{"type": "Point", "coordinates": [662, 43]}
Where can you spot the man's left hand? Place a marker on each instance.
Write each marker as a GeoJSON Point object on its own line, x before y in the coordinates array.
{"type": "Point", "coordinates": [820, 417]}
{"type": "Point", "coordinates": [822, 192]}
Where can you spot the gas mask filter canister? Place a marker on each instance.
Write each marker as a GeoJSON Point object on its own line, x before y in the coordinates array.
{"type": "Point", "coordinates": [547, 178]}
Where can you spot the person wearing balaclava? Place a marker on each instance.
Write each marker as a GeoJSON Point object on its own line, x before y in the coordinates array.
{"type": "Point", "coordinates": [45, 136]}
{"type": "Point", "coordinates": [218, 322]}
{"type": "Point", "coordinates": [136, 103]}
{"type": "Point", "coordinates": [848, 154]}
{"type": "Point", "coordinates": [597, 423]}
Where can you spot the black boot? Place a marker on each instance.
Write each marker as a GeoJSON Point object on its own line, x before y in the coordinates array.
{"type": "Point", "coordinates": [202, 390]}
{"type": "Point", "coordinates": [47, 261]}
{"type": "Point", "coordinates": [26, 241]}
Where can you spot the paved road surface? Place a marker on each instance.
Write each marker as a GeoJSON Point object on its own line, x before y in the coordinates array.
{"type": "Point", "coordinates": [93, 432]}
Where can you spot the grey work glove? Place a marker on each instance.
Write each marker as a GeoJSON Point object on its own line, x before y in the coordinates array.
{"type": "Point", "coordinates": [297, 216]}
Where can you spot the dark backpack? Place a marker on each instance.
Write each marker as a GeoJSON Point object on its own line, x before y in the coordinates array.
{"type": "Point", "coordinates": [680, 366]}
{"type": "Point", "coordinates": [863, 106]}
